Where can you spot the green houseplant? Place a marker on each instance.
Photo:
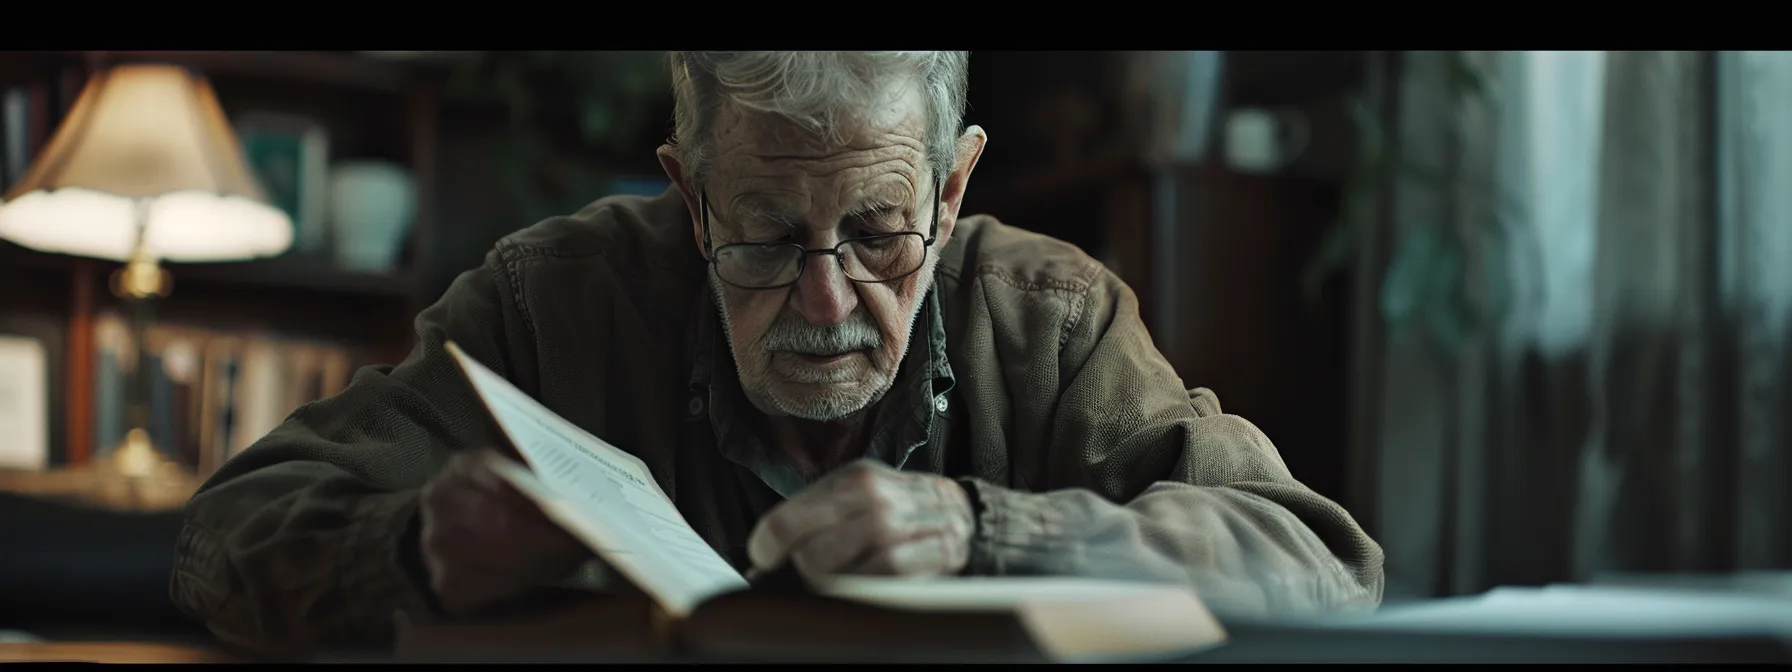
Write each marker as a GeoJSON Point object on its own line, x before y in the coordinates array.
{"type": "Point", "coordinates": [1446, 284]}
{"type": "Point", "coordinates": [1428, 289]}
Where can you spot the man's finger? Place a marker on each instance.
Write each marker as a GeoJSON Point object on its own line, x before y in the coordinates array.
{"type": "Point", "coordinates": [462, 591]}
{"type": "Point", "coordinates": [502, 493]}
{"type": "Point", "coordinates": [794, 521]}
{"type": "Point", "coordinates": [460, 548]}
{"type": "Point", "coordinates": [452, 561]}
{"type": "Point", "coordinates": [838, 547]}
{"type": "Point", "coordinates": [461, 507]}
{"type": "Point", "coordinates": [473, 467]}
{"type": "Point", "coordinates": [928, 555]}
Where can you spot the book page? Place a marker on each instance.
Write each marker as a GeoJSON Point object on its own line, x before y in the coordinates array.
{"type": "Point", "coordinates": [1069, 619]}
{"type": "Point", "coordinates": [1585, 611]}
{"type": "Point", "coordinates": [994, 593]}
{"type": "Point", "coordinates": [604, 496]}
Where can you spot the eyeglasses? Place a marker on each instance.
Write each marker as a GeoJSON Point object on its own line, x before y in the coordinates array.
{"type": "Point", "coordinates": [884, 257]}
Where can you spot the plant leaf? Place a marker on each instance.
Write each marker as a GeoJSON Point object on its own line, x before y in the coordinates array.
{"type": "Point", "coordinates": [1335, 249]}
{"type": "Point", "coordinates": [1497, 290]}
{"type": "Point", "coordinates": [1403, 294]}
{"type": "Point", "coordinates": [1475, 188]}
{"type": "Point", "coordinates": [1465, 78]}
{"type": "Point", "coordinates": [1449, 317]}
{"type": "Point", "coordinates": [1426, 176]}
{"type": "Point", "coordinates": [1369, 131]}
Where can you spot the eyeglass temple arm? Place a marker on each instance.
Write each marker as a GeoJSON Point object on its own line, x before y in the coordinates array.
{"type": "Point", "coordinates": [709, 249]}
{"type": "Point", "coordinates": [933, 232]}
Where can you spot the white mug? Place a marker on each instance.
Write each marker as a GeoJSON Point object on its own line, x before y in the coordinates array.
{"type": "Point", "coordinates": [1264, 141]}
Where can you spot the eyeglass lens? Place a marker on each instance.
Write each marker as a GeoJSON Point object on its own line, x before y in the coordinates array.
{"type": "Point", "coordinates": [870, 259]}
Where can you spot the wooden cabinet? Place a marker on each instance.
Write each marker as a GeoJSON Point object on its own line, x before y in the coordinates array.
{"type": "Point", "coordinates": [1215, 256]}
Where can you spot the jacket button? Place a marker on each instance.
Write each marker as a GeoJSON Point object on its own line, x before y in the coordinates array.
{"type": "Point", "coordinates": [695, 407]}
{"type": "Point", "coordinates": [939, 403]}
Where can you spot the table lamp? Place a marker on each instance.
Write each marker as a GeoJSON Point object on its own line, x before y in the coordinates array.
{"type": "Point", "coordinates": [144, 168]}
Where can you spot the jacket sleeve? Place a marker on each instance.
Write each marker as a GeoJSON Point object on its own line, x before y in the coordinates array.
{"type": "Point", "coordinates": [1151, 481]}
{"type": "Point", "coordinates": [309, 537]}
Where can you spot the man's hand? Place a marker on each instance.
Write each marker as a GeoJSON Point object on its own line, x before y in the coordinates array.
{"type": "Point", "coordinates": [484, 543]}
{"type": "Point", "coordinates": [867, 518]}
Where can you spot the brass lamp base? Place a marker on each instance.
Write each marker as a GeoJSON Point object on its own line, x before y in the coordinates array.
{"type": "Point", "coordinates": [139, 282]}
{"type": "Point", "coordinates": [138, 468]}
{"type": "Point", "coordinates": [141, 278]}
{"type": "Point", "coordinates": [136, 456]}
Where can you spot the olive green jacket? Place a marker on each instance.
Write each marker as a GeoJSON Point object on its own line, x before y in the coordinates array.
{"type": "Point", "coordinates": [1038, 387]}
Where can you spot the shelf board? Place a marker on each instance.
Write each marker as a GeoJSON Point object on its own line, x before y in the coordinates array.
{"type": "Point", "coordinates": [340, 69]}
{"type": "Point", "coordinates": [279, 274]}
{"type": "Point", "coordinates": [283, 274]}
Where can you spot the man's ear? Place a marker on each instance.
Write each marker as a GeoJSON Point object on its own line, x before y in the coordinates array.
{"type": "Point", "coordinates": [970, 149]}
{"type": "Point", "coordinates": [675, 171]}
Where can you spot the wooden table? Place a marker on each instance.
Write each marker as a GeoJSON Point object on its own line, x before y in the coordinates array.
{"type": "Point", "coordinates": [108, 652]}
{"type": "Point", "coordinates": [96, 485]}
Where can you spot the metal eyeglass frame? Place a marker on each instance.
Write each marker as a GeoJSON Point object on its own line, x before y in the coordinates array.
{"type": "Point", "coordinates": [802, 262]}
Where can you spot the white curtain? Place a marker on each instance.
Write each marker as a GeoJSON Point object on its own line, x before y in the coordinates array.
{"type": "Point", "coordinates": [1629, 411]}
{"type": "Point", "coordinates": [1754, 170]}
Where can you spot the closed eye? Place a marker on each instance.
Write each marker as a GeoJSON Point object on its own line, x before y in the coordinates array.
{"type": "Point", "coordinates": [771, 230]}
{"type": "Point", "coordinates": [871, 221]}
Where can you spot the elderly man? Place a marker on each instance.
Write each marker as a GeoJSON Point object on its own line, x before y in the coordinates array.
{"type": "Point", "coordinates": [823, 364]}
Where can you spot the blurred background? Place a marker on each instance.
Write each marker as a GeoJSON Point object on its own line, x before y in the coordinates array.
{"type": "Point", "coordinates": [1524, 313]}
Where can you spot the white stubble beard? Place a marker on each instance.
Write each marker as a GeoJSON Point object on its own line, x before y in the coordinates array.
{"type": "Point", "coordinates": [834, 403]}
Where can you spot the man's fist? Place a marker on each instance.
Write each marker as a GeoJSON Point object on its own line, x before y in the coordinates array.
{"type": "Point", "coordinates": [484, 543]}
{"type": "Point", "coordinates": [867, 518]}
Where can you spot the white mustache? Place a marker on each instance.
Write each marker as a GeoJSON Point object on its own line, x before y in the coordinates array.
{"type": "Point", "coordinates": [791, 333]}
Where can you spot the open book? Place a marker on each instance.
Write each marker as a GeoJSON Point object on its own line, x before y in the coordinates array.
{"type": "Point", "coordinates": [608, 499]}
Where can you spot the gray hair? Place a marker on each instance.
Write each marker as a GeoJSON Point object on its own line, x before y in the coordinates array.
{"type": "Point", "coordinates": [817, 90]}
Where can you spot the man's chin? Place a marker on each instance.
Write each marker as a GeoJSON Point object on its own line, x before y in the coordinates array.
{"type": "Point", "coordinates": [824, 402]}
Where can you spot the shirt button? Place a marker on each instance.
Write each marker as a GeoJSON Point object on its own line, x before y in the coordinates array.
{"type": "Point", "coordinates": [939, 403]}
{"type": "Point", "coordinates": [695, 407]}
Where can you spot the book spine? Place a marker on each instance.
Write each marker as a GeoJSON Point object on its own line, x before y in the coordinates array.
{"type": "Point", "coordinates": [211, 393]}
{"type": "Point", "coordinates": [15, 135]}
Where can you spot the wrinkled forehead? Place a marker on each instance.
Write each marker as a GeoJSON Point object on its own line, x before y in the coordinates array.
{"type": "Point", "coordinates": [766, 161]}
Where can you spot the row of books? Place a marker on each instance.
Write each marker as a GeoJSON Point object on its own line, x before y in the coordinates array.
{"type": "Point", "coordinates": [210, 394]}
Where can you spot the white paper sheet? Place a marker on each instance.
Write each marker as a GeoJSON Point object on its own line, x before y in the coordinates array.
{"type": "Point", "coordinates": [1071, 619]}
{"type": "Point", "coordinates": [980, 593]}
{"type": "Point", "coordinates": [1577, 610]}
{"type": "Point", "coordinates": [604, 496]}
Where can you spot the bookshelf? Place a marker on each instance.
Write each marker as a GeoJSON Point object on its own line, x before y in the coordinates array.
{"type": "Point", "coordinates": [373, 109]}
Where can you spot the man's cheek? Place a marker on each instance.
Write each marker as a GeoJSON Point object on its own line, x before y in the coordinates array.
{"type": "Point", "coordinates": [750, 324]}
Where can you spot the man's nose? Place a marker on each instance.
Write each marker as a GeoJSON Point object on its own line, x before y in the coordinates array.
{"type": "Point", "coordinates": [823, 295]}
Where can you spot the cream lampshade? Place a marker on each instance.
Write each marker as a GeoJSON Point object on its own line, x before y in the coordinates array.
{"type": "Point", "coordinates": [144, 168]}
{"type": "Point", "coordinates": [149, 136]}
